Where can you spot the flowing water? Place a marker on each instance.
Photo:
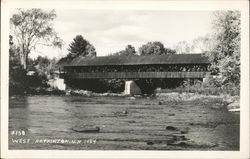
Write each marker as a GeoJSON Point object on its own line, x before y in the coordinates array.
{"type": "Point", "coordinates": [56, 122]}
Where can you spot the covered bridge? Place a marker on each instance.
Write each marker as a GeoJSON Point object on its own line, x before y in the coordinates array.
{"type": "Point", "coordinates": [134, 67]}
{"type": "Point", "coordinates": [177, 66]}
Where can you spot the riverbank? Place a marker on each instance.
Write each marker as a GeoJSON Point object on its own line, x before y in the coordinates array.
{"type": "Point", "coordinates": [223, 101]}
{"type": "Point", "coordinates": [220, 101]}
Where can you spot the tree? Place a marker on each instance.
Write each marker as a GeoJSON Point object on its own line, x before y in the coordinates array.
{"type": "Point", "coordinates": [33, 27]}
{"type": "Point", "coordinates": [13, 54]}
{"type": "Point", "coordinates": [17, 75]}
{"type": "Point", "coordinates": [129, 50]}
{"type": "Point", "coordinates": [169, 51]}
{"type": "Point", "coordinates": [203, 44]}
{"type": "Point", "coordinates": [155, 48]}
{"type": "Point", "coordinates": [45, 66]}
{"type": "Point", "coordinates": [41, 65]}
{"type": "Point", "coordinates": [81, 47]}
{"type": "Point", "coordinates": [226, 55]}
{"type": "Point", "coordinates": [182, 47]}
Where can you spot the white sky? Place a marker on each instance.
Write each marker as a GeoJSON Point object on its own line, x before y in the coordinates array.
{"type": "Point", "coordinates": [111, 30]}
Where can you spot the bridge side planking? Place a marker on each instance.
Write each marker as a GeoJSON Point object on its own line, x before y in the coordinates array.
{"type": "Point", "coordinates": [135, 75]}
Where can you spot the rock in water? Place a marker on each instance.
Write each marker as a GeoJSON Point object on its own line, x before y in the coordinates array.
{"type": "Point", "coordinates": [132, 98]}
{"type": "Point", "coordinates": [125, 112]}
{"type": "Point", "coordinates": [184, 130]}
{"type": "Point", "coordinates": [150, 143]}
{"type": "Point", "coordinates": [160, 103]}
{"type": "Point", "coordinates": [68, 93]}
{"type": "Point", "coordinates": [87, 129]}
{"type": "Point", "coordinates": [171, 114]}
{"type": "Point", "coordinates": [180, 144]}
{"type": "Point", "coordinates": [171, 128]}
{"type": "Point", "coordinates": [132, 121]}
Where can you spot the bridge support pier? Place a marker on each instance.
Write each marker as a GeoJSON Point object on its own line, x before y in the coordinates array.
{"type": "Point", "coordinates": [131, 88]}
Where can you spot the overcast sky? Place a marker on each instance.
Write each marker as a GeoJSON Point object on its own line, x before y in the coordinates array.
{"type": "Point", "coordinates": [111, 30]}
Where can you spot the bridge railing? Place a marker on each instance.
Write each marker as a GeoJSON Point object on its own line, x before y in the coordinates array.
{"type": "Point", "coordinates": [133, 75]}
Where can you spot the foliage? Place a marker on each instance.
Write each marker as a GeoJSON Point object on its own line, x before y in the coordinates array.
{"type": "Point", "coordinates": [41, 64]}
{"type": "Point", "coordinates": [17, 75]}
{"type": "Point", "coordinates": [203, 44]}
{"type": "Point", "coordinates": [188, 83]}
{"type": "Point", "coordinates": [148, 86]}
{"type": "Point", "coordinates": [155, 48]}
{"type": "Point", "coordinates": [13, 54]}
{"type": "Point", "coordinates": [226, 55]}
{"type": "Point", "coordinates": [45, 66]}
{"type": "Point", "coordinates": [214, 87]}
{"type": "Point", "coordinates": [129, 50]}
{"type": "Point", "coordinates": [114, 85]}
{"type": "Point", "coordinates": [32, 27]}
{"type": "Point", "coordinates": [80, 47]}
{"type": "Point", "coordinates": [182, 47]}
{"type": "Point", "coordinates": [19, 80]}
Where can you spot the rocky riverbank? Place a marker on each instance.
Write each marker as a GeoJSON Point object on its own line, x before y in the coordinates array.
{"type": "Point", "coordinates": [215, 101]}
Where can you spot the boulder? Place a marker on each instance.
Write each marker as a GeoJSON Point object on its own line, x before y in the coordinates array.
{"type": "Point", "coordinates": [131, 121]}
{"type": "Point", "coordinates": [125, 112]}
{"type": "Point", "coordinates": [171, 128]}
{"type": "Point", "coordinates": [132, 98]}
{"type": "Point", "coordinates": [184, 130]}
{"type": "Point", "coordinates": [68, 93]}
{"type": "Point", "coordinates": [86, 129]}
{"type": "Point", "coordinates": [160, 103]}
{"type": "Point", "coordinates": [171, 114]}
{"type": "Point", "coordinates": [150, 143]}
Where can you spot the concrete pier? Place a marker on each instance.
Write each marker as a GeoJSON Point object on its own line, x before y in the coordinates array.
{"type": "Point", "coordinates": [131, 88]}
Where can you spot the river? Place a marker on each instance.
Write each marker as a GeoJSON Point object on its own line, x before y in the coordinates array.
{"type": "Point", "coordinates": [51, 122]}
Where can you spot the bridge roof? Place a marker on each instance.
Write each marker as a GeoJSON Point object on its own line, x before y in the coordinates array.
{"type": "Point", "coordinates": [140, 60]}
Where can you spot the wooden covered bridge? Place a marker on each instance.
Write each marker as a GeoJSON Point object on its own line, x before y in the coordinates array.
{"type": "Point", "coordinates": [190, 66]}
